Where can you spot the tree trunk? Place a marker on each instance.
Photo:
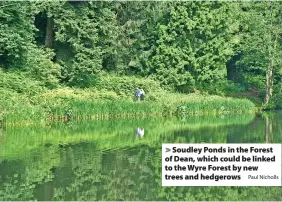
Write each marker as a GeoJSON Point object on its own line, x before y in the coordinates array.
{"type": "Point", "coordinates": [269, 81]}
{"type": "Point", "coordinates": [269, 72]}
{"type": "Point", "coordinates": [48, 191]}
{"type": "Point", "coordinates": [49, 33]}
{"type": "Point", "coordinates": [232, 72]}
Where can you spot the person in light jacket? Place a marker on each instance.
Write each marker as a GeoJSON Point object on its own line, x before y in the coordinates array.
{"type": "Point", "coordinates": [142, 94]}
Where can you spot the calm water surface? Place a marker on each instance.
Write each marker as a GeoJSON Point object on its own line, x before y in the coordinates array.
{"type": "Point", "coordinates": [121, 159]}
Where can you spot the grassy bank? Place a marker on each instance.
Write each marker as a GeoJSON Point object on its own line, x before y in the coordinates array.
{"type": "Point", "coordinates": [112, 97]}
{"type": "Point", "coordinates": [61, 106]}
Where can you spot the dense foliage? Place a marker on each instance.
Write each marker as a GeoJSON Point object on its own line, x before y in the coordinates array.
{"type": "Point", "coordinates": [216, 47]}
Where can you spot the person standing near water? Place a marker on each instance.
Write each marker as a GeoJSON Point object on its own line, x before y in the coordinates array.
{"type": "Point", "coordinates": [142, 94]}
{"type": "Point", "coordinates": [137, 94]}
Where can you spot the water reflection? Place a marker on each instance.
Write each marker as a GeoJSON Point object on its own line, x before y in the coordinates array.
{"type": "Point", "coordinates": [103, 160]}
{"type": "Point", "coordinates": [268, 129]}
{"type": "Point", "coordinates": [139, 132]}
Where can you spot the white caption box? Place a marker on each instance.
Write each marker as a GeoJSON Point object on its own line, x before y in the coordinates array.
{"type": "Point", "coordinates": [218, 172]}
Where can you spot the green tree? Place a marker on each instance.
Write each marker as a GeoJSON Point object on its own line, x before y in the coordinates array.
{"type": "Point", "coordinates": [16, 32]}
{"type": "Point", "coordinates": [261, 45]}
{"type": "Point", "coordinates": [194, 42]}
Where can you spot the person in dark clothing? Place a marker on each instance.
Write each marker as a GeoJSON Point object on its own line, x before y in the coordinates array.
{"type": "Point", "coordinates": [137, 94]}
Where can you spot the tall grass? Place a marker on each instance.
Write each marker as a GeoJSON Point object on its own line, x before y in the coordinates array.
{"type": "Point", "coordinates": [69, 108]}
{"type": "Point", "coordinates": [216, 105]}
{"type": "Point", "coordinates": [198, 104]}
{"type": "Point", "coordinates": [110, 108]}
{"type": "Point", "coordinates": [15, 107]}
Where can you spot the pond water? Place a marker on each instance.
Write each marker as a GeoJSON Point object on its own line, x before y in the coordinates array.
{"type": "Point", "coordinates": [121, 159]}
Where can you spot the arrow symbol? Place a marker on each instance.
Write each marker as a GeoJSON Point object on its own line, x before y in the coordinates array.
{"type": "Point", "coordinates": [167, 149]}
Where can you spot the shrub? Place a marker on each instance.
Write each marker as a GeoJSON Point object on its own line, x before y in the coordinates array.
{"type": "Point", "coordinates": [225, 87]}
{"type": "Point", "coordinates": [125, 85]}
{"type": "Point", "coordinates": [20, 83]}
{"type": "Point", "coordinates": [276, 101]}
{"type": "Point", "coordinates": [84, 80]}
{"type": "Point", "coordinates": [39, 65]}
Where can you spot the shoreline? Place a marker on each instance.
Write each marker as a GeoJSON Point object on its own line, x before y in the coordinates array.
{"type": "Point", "coordinates": [66, 107]}
{"type": "Point", "coordinates": [108, 117]}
